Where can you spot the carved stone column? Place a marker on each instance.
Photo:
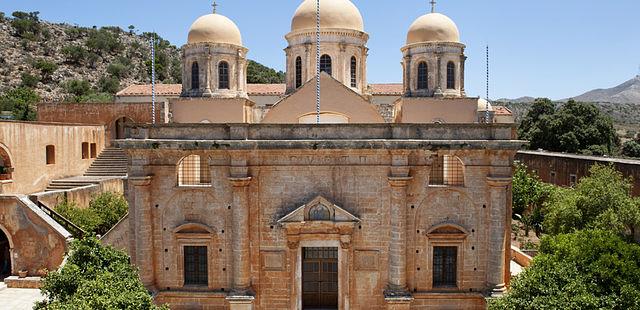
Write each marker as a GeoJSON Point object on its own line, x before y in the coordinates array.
{"type": "Point", "coordinates": [293, 245]}
{"type": "Point", "coordinates": [498, 188]}
{"type": "Point", "coordinates": [240, 233]}
{"type": "Point", "coordinates": [142, 228]}
{"type": "Point", "coordinates": [463, 60]}
{"type": "Point", "coordinates": [407, 76]}
{"type": "Point", "coordinates": [207, 91]}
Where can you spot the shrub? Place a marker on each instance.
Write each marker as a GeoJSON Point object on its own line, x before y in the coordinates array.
{"type": "Point", "coordinates": [74, 54]}
{"type": "Point", "coordinates": [21, 101]}
{"type": "Point", "coordinates": [103, 213]}
{"type": "Point", "coordinates": [117, 70]}
{"type": "Point", "coordinates": [103, 41]}
{"type": "Point", "coordinates": [77, 87]}
{"type": "Point", "coordinates": [29, 80]}
{"type": "Point", "coordinates": [109, 85]}
{"type": "Point", "coordinates": [26, 25]}
{"type": "Point", "coordinates": [2, 17]}
{"type": "Point", "coordinates": [631, 149]}
{"type": "Point", "coordinates": [46, 68]}
{"type": "Point", "coordinates": [95, 277]}
{"type": "Point", "coordinates": [583, 270]}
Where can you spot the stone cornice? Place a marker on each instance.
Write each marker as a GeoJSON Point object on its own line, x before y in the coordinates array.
{"type": "Point", "coordinates": [499, 181]}
{"type": "Point", "coordinates": [140, 181]}
{"type": "Point", "coordinates": [240, 182]}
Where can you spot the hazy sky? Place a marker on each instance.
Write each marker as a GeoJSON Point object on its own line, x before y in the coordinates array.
{"type": "Point", "coordinates": [551, 48]}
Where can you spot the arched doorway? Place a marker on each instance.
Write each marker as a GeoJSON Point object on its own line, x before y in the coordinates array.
{"type": "Point", "coordinates": [5, 164]}
{"type": "Point", "coordinates": [5, 256]}
{"type": "Point", "coordinates": [118, 128]}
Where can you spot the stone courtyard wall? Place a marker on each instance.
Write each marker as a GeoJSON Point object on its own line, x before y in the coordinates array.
{"type": "Point", "coordinates": [81, 196]}
{"type": "Point", "coordinates": [26, 142]}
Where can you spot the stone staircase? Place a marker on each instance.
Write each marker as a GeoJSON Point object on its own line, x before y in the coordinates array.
{"type": "Point", "coordinates": [69, 183]}
{"type": "Point", "coordinates": [112, 162]}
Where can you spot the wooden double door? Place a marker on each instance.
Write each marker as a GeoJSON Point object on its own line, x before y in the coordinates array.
{"type": "Point", "coordinates": [320, 278]}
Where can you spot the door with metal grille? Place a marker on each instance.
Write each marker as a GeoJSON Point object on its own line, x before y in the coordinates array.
{"type": "Point", "coordinates": [320, 278]}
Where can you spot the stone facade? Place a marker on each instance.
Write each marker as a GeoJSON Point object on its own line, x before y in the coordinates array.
{"type": "Point", "coordinates": [384, 218]}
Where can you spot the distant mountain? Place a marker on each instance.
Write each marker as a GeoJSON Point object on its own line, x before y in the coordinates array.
{"type": "Point", "coordinates": [627, 92]}
{"type": "Point", "coordinates": [525, 99]}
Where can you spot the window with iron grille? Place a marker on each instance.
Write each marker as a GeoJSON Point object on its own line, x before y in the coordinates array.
{"type": "Point", "coordinates": [298, 72]}
{"type": "Point", "coordinates": [446, 170]}
{"type": "Point", "coordinates": [195, 265]}
{"type": "Point", "coordinates": [422, 75]}
{"type": "Point", "coordinates": [195, 76]}
{"type": "Point", "coordinates": [325, 64]}
{"type": "Point", "coordinates": [451, 75]}
{"type": "Point", "coordinates": [193, 170]}
{"type": "Point", "coordinates": [354, 67]}
{"type": "Point", "coordinates": [223, 75]}
{"type": "Point", "coordinates": [445, 267]}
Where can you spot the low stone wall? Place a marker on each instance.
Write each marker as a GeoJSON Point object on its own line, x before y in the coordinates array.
{"type": "Point", "coordinates": [27, 282]}
{"type": "Point", "coordinates": [118, 236]}
{"type": "Point", "coordinates": [81, 196]}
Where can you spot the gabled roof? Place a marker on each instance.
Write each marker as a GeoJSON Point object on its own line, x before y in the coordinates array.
{"type": "Point", "coordinates": [299, 214]}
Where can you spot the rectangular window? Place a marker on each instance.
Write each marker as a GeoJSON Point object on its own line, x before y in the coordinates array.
{"type": "Point", "coordinates": [573, 179]}
{"type": "Point", "coordinates": [445, 267]}
{"type": "Point", "coordinates": [51, 154]}
{"type": "Point", "coordinates": [85, 150]}
{"type": "Point", "coordinates": [94, 150]}
{"type": "Point", "coordinates": [553, 177]}
{"type": "Point", "coordinates": [195, 265]}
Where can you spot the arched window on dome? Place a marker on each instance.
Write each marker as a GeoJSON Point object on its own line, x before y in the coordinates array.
{"type": "Point", "coordinates": [195, 76]}
{"type": "Point", "coordinates": [354, 68]}
{"type": "Point", "coordinates": [325, 64]}
{"type": "Point", "coordinates": [422, 76]}
{"type": "Point", "coordinates": [223, 75]}
{"type": "Point", "coordinates": [451, 75]}
{"type": "Point", "coordinates": [298, 71]}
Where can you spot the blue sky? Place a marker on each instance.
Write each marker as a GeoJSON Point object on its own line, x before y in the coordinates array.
{"type": "Point", "coordinates": [550, 48]}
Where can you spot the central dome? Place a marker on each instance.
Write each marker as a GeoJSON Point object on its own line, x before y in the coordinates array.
{"type": "Point", "coordinates": [433, 27]}
{"type": "Point", "coordinates": [333, 14]}
{"type": "Point", "coordinates": [214, 28]}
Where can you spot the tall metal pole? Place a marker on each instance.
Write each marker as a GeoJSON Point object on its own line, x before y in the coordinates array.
{"type": "Point", "coordinates": [153, 79]}
{"type": "Point", "coordinates": [487, 115]}
{"type": "Point", "coordinates": [318, 61]}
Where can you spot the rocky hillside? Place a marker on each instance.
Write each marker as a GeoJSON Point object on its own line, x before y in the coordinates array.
{"type": "Point", "coordinates": [627, 92]}
{"type": "Point", "coordinates": [58, 60]}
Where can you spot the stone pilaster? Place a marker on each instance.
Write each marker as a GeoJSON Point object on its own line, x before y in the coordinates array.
{"type": "Point", "coordinates": [207, 91]}
{"type": "Point", "coordinates": [498, 191]}
{"type": "Point", "coordinates": [407, 75]}
{"type": "Point", "coordinates": [398, 240]}
{"type": "Point", "coordinates": [463, 61]}
{"type": "Point", "coordinates": [240, 234]}
{"type": "Point", "coordinates": [142, 254]}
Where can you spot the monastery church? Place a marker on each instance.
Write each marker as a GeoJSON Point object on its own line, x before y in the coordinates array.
{"type": "Point", "coordinates": [245, 196]}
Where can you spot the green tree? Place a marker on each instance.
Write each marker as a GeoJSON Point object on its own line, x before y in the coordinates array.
{"type": "Point", "coordinates": [95, 277]}
{"type": "Point", "coordinates": [530, 195]}
{"type": "Point", "coordinates": [132, 29]}
{"type": "Point", "coordinates": [26, 25]}
{"type": "Point", "coordinates": [29, 80]}
{"type": "Point", "coordinates": [575, 128]}
{"type": "Point", "coordinates": [259, 74]}
{"type": "Point", "coordinates": [118, 70]}
{"type": "Point", "coordinates": [631, 149]}
{"type": "Point", "coordinates": [584, 270]}
{"type": "Point", "coordinates": [109, 84]}
{"type": "Point", "coordinates": [103, 213]}
{"type": "Point", "coordinates": [21, 101]}
{"type": "Point", "coordinates": [47, 68]}
{"type": "Point", "coordinates": [74, 54]}
{"type": "Point", "coordinates": [603, 200]}
{"type": "Point", "coordinates": [104, 41]}
{"type": "Point", "coordinates": [77, 87]}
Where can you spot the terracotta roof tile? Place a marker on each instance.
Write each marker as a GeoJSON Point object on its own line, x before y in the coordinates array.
{"type": "Point", "coordinates": [386, 89]}
{"type": "Point", "coordinates": [266, 89]}
{"type": "Point", "coordinates": [145, 90]}
{"type": "Point", "coordinates": [500, 110]}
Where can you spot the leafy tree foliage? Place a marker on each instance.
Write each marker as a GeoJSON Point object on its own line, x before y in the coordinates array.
{"type": "Point", "coordinates": [29, 80]}
{"type": "Point", "coordinates": [21, 102]}
{"type": "Point", "coordinates": [77, 87]}
{"type": "Point", "coordinates": [117, 70]}
{"type": "Point", "coordinates": [47, 68]}
{"type": "Point", "coordinates": [529, 197]}
{"type": "Point", "coordinates": [75, 54]}
{"type": "Point", "coordinates": [109, 85]}
{"type": "Point", "coordinates": [631, 149]}
{"type": "Point", "coordinates": [104, 41]}
{"type": "Point", "coordinates": [603, 200]}
{"type": "Point", "coordinates": [103, 213]}
{"type": "Point", "coordinates": [575, 127]}
{"type": "Point", "coordinates": [2, 17]}
{"type": "Point", "coordinates": [584, 270]}
{"type": "Point", "coordinates": [95, 277]}
{"type": "Point", "coordinates": [26, 25]}
{"type": "Point", "coordinates": [259, 74]}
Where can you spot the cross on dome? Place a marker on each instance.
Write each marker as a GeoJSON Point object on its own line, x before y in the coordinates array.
{"type": "Point", "coordinates": [433, 6]}
{"type": "Point", "coordinates": [215, 6]}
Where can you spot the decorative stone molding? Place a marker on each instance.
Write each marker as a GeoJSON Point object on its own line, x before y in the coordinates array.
{"type": "Point", "coordinates": [140, 181]}
{"type": "Point", "coordinates": [240, 182]}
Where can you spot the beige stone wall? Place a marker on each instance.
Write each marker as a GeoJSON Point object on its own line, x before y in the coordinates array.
{"type": "Point", "coordinates": [433, 110]}
{"type": "Point", "coordinates": [26, 145]}
{"type": "Point", "coordinates": [355, 180]}
{"type": "Point", "coordinates": [211, 110]}
{"type": "Point", "coordinates": [118, 236]}
{"type": "Point", "coordinates": [37, 242]}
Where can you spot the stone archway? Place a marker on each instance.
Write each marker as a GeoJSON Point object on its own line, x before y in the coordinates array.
{"type": "Point", "coordinates": [118, 127]}
{"type": "Point", "coordinates": [6, 168]}
{"type": "Point", "coordinates": [5, 255]}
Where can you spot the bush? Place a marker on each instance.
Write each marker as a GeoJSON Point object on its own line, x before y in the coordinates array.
{"type": "Point", "coordinates": [2, 17]}
{"type": "Point", "coordinates": [74, 54]}
{"type": "Point", "coordinates": [27, 25]}
{"type": "Point", "coordinates": [103, 41]}
{"type": "Point", "coordinates": [95, 277]}
{"type": "Point", "coordinates": [530, 195]}
{"type": "Point", "coordinates": [29, 80]}
{"type": "Point", "coordinates": [77, 87]}
{"type": "Point", "coordinates": [584, 270]}
{"type": "Point", "coordinates": [21, 102]}
{"type": "Point", "coordinates": [46, 68]}
{"type": "Point", "coordinates": [117, 70]}
{"type": "Point", "coordinates": [109, 85]}
{"type": "Point", "coordinates": [631, 149]}
{"type": "Point", "coordinates": [103, 213]}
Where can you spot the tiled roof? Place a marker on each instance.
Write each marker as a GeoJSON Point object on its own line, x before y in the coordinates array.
{"type": "Point", "coordinates": [500, 110]}
{"type": "Point", "coordinates": [386, 89]}
{"type": "Point", "coordinates": [252, 90]}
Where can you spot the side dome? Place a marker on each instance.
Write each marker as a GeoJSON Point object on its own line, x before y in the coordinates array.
{"type": "Point", "coordinates": [433, 27]}
{"type": "Point", "coordinates": [214, 28]}
{"type": "Point", "coordinates": [341, 14]}
{"type": "Point", "coordinates": [483, 105]}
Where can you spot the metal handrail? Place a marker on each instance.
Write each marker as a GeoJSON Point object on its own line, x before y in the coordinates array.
{"type": "Point", "coordinates": [74, 229]}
